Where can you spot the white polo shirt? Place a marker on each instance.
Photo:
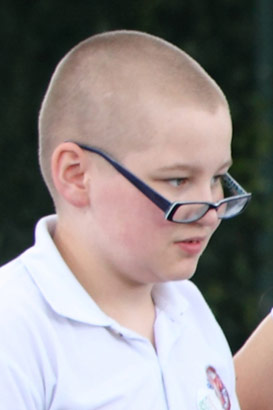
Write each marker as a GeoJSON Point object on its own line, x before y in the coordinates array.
{"type": "Point", "coordinates": [59, 351]}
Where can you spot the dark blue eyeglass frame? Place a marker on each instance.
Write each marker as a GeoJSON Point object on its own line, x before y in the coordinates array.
{"type": "Point", "coordinates": [170, 208]}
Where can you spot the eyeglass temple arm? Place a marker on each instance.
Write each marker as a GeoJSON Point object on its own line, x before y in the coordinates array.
{"type": "Point", "coordinates": [156, 198]}
{"type": "Point", "coordinates": [233, 185]}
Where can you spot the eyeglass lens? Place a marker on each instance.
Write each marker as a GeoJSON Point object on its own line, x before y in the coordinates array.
{"type": "Point", "coordinates": [227, 208]}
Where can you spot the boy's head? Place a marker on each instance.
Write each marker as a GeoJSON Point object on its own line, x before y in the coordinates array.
{"type": "Point", "coordinates": [106, 89]}
{"type": "Point", "coordinates": [153, 108]}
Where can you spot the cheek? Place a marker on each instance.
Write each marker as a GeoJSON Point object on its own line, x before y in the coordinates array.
{"type": "Point", "coordinates": [142, 228]}
{"type": "Point", "coordinates": [128, 216]}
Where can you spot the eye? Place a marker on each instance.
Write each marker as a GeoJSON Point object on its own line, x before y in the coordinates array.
{"type": "Point", "coordinates": [176, 182]}
{"type": "Point", "coordinates": [216, 180]}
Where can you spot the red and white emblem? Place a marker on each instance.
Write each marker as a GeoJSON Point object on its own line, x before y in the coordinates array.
{"type": "Point", "coordinates": [215, 383]}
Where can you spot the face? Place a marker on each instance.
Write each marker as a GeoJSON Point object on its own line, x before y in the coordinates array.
{"type": "Point", "coordinates": [190, 149]}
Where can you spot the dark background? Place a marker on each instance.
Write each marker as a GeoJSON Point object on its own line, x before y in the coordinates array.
{"type": "Point", "coordinates": [233, 41]}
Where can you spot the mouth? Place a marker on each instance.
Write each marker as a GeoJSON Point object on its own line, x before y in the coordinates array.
{"type": "Point", "coordinates": [191, 246]}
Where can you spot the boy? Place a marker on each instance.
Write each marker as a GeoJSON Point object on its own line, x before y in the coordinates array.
{"type": "Point", "coordinates": [134, 148]}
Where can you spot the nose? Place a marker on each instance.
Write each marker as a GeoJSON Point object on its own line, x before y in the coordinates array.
{"type": "Point", "coordinates": [210, 219]}
{"type": "Point", "coordinates": [204, 192]}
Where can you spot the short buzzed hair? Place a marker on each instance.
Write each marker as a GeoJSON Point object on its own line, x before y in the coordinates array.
{"type": "Point", "coordinates": [98, 92]}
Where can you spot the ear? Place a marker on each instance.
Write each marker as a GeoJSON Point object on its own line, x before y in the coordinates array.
{"type": "Point", "coordinates": [69, 173]}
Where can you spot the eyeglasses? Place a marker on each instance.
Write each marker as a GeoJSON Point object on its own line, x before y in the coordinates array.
{"type": "Point", "coordinates": [234, 202]}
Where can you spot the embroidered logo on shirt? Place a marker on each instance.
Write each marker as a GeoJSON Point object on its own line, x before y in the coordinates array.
{"type": "Point", "coordinates": [216, 396]}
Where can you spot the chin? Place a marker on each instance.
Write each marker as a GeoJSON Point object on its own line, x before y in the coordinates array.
{"type": "Point", "coordinates": [184, 272]}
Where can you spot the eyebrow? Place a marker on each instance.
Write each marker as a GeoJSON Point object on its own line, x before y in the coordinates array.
{"type": "Point", "coordinates": [186, 167]}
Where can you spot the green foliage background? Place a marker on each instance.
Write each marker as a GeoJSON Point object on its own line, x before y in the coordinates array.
{"type": "Point", "coordinates": [232, 40]}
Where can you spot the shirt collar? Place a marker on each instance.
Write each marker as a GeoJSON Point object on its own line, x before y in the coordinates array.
{"type": "Point", "coordinates": [169, 299]}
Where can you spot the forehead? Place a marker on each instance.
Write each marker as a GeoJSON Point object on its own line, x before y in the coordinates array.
{"type": "Point", "coordinates": [188, 137]}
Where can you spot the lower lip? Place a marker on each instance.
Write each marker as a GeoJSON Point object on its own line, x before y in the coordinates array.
{"type": "Point", "coordinates": [191, 248]}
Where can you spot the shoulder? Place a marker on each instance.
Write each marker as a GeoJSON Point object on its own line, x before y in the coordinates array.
{"type": "Point", "coordinates": [24, 340]}
{"type": "Point", "coordinates": [16, 285]}
{"type": "Point", "coordinates": [25, 316]}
